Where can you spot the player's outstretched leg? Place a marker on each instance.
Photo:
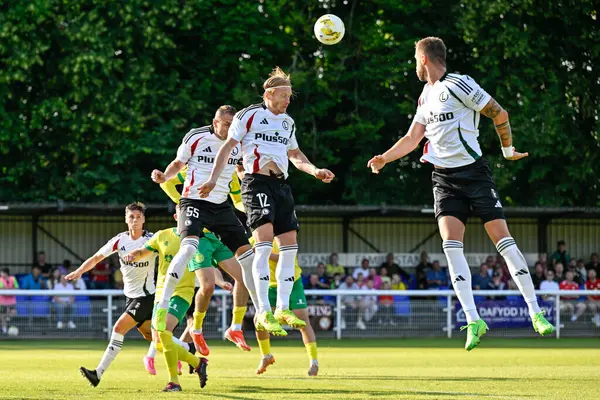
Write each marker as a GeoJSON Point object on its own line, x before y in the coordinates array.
{"type": "Point", "coordinates": [285, 280]}
{"type": "Point", "coordinates": [260, 269]}
{"type": "Point", "coordinates": [264, 345]}
{"type": "Point", "coordinates": [309, 339]}
{"type": "Point", "coordinates": [148, 359]}
{"type": "Point", "coordinates": [460, 274]}
{"type": "Point", "coordinates": [507, 247]}
{"type": "Point", "coordinates": [91, 375]}
{"type": "Point", "coordinates": [240, 298]}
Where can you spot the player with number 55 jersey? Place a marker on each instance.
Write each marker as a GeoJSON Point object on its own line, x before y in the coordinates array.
{"type": "Point", "coordinates": [268, 138]}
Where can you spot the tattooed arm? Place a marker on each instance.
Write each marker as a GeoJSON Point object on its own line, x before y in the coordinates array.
{"type": "Point", "coordinates": [499, 115]}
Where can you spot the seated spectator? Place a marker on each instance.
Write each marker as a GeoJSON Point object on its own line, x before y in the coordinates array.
{"type": "Point", "coordinates": [334, 266]}
{"type": "Point", "coordinates": [386, 306]}
{"type": "Point", "coordinates": [543, 259]}
{"type": "Point", "coordinates": [482, 280]}
{"type": "Point", "coordinates": [367, 306]}
{"type": "Point", "coordinates": [398, 283]}
{"type": "Point", "coordinates": [323, 278]}
{"type": "Point", "coordinates": [571, 303]}
{"type": "Point", "coordinates": [394, 268]}
{"type": "Point", "coordinates": [64, 304]}
{"type": "Point", "coordinates": [539, 275]}
{"type": "Point", "coordinates": [594, 263]}
{"type": "Point", "coordinates": [436, 277]}
{"type": "Point", "coordinates": [573, 268]}
{"type": "Point", "coordinates": [496, 282]}
{"type": "Point", "coordinates": [349, 302]}
{"type": "Point", "coordinates": [549, 284]}
{"type": "Point", "coordinates": [100, 276]}
{"type": "Point", "coordinates": [504, 274]}
{"type": "Point", "coordinates": [53, 279]}
{"type": "Point", "coordinates": [580, 271]}
{"type": "Point", "coordinates": [360, 280]}
{"type": "Point", "coordinates": [336, 281]}
{"type": "Point", "coordinates": [41, 263]}
{"type": "Point", "coordinates": [561, 255]}
{"type": "Point", "coordinates": [592, 283]}
{"type": "Point", "coordinates": [421, 271]}
{"type": "Point", "coordinates": [34, 280]}
{"type": "Point", "coordinates": [559, 272]}
{"type": "Point", "coordinates": [315, 283]}
{"type": "Point", "coordinates": [363, 269]}
{"type": "Point", "coordinates": [375, 278]}
{"type": "Point", "coordinates": [384, 275]}
{"type": "Point", "coordinates": [489, 261]}
{"type": "Point", "coordinates": [65, 268]}
{"type": "Point", "coordinates": [8, 304]}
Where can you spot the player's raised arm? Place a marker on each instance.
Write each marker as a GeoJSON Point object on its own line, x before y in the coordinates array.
{"type": "Point", "coordinates": [499, 115]}
{"type": "Point", "coordinates": [170, 186]}
{"type": "Point", "coordinates": [218, 166]}
{"type": "Point", "coordinates": [405, 145]}
{"type": "Point", "coordinates": [137, 254]}
{"type": "Point", "coordinates": [300, 161]}
{"type": "Point", "coordinates": [87, 265]}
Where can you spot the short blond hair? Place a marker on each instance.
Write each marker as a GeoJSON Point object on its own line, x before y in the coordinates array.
{"type": "Point", "coordinates": [137, 206]}
{"type": "Point", "coordinates": [277, 78]}
{"type": "Point", "coordinates": [434, 48]}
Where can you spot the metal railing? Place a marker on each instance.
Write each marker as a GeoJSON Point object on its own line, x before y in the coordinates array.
{"type": "Point", "coordinates": [334, 313]}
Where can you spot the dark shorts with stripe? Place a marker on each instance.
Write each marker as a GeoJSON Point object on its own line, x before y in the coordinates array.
{"type": "Point", "coordinates": [140, 308]}
{"type": "Point", "coordinates": [465, 191]}
{"type": "Point", "coordinates": [268, 199]}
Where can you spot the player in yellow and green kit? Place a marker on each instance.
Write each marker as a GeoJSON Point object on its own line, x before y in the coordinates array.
{"type": "Point", "coordinates": [299, 307]}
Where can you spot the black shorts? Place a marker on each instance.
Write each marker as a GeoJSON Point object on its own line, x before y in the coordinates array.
{"type": "Point", "coordinates": [465, 191]}
{"type": "Point", "coordinates": [140, 308]}
{"type": "Point", "coordinates": [268, 199]}
{"type": "Point", "coordinates": [190, 311]}
{"type": "Point", "coordinates": [195, 215]}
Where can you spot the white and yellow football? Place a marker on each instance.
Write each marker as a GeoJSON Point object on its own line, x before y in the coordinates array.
{"type": "Point", "coordinates": [329, 29]}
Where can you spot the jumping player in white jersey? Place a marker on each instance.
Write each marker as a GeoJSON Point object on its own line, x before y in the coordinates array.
{"type": "Point", "coordinates": [198, 150]}
{"type": "Point", "coordinates": [139, 286]}
{"type": "Point", "coordinates": [268, 138]}
{"type": "Point", "coordinates": [448, 116]}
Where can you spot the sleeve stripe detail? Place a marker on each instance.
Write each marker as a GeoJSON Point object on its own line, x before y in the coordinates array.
{"type": "Point", "coordinates": [455, 96]}
{"type": "Point", "coordinates": [180, 177]}
{"type": "Point", "coordinates": [241, 114]}
{"type": "Point", "coordinates": [463, 86]}
{"type": "Point", "coordinates": [193, 132]}
{"type": "Point", "coordinates": [151, 248]}
{"type": "Point", "coordinates": [116, 245]}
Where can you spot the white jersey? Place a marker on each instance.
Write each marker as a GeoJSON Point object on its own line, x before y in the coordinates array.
{"type": "Point", "coordinates": [198, 150]}
{"type": "Point", "coordinates": [264, 137]}
{"type": "Point", "coordinates": [138, 276]}
{"type": "Point", "coordinates": [449, 109]}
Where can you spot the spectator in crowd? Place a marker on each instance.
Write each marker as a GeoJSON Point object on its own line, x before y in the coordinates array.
{"type": "Point", "coordinates": [489, 261]}
{"type": "Point", "coordinates": [394, 268]}
{"type": "Point", "coordinates": [100, 276]}
{"type": "Point", "coordinates": [482, 280]}
{"type": "Point", "coordinates": [386, 306]}
{"type": "Point", "coordinates": [576, 277]}
{"type": "Point", "coordinates": [398, 283]}
{"type": "Point", "coordinates": [367, 306]}
{"type": "Point", "coordinates": [543, 259]}
{"type": "Point", "coordinates": [593, 283]}
{"type": "Point", "coordinates": [64, 304]}
{"type": "Point", "coordinates": [360, 280]}
{"type": "Point", "coordinates": [549, 284]}
{"type": "Point", "coordinates": [559, 272]}
{"type": "Point", "coordinates": [571, 303]}
{"type": "Point", "coordinates": [580, 270]}
{"type": "Point", "coordinates": [53, 279]}
{"type": "Point", "coordinates": [504, 274]}
{"type": "Point", "coordinates": [65, 268]}
{"type": "Point", "coordinates": [539, 275]}
{"type": "Point", "coordinates": [315, 283]}
{"type": "Point", "coordinates": [363, 269]}
{"type": "Point", "coordinates": [436, 277]}
{"type": "Point", "coordinates": [421, 271]}
{"type": "Point", "coordinates": [384, 275]}
{"type": "Point", "coordinates": [561, 255]}
{"type": "Point", "coordinates": [323, 278]}
{"type": "Point", "coordinates": [349, 303]}
{"type": "Point", "coordinates": [336, 281]}
{"type": "Point", "coordinates": [117, 279]}
{"type": "Point", "coordinates": [375, 278]}
{"type": "Point", "coordinates": [34, 280]}
{"type": "Point", "coordinates": [8, 304]}
{"type": "Point", "coordinates": [41, 263]}
{"type": "Point", "coordinates": [334, 266]}
{"type": "Point", "coordinates": [594, 263]}
{"type": "Point", "coordinates": [496, 282]}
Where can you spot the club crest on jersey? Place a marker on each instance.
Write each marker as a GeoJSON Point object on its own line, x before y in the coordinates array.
{"type": "Point", "coordinates": [443, 97]}
{"type": "Point", "coordinates": [286, 125]}
{"type": "Point", "coordinates": [188, 222]}
{"type": "Point", "coordinates": [234, 152]}
{"type": "Point", "coordinates": [199, 258]}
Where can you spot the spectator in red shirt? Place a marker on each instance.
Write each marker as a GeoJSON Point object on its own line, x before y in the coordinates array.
{"type": "Point", "coordinates": [571, 303]}
{"type": "Point", "coordinates": [100, 276]}
{"type": "Point", "coordinates": [593, 283]}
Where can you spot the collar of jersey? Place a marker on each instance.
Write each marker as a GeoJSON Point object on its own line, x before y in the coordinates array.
{"type": "Point", "coordinates": [175, 232]}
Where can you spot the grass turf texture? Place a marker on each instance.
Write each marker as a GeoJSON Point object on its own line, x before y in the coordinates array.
{"type": "Point", "coordinates": [351, 369]}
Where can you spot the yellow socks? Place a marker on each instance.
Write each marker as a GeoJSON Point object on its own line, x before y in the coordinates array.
{"type": "Point", "coordinates": [311, 349]}
{"type": "Point", "coordinates": [264, 346]}
{"type": "Point", "coordinates": [238, 317]}
{"type": "Point", "coordinates": [198, 320]}
{"type": "Point", "coordinates": [170, 352]}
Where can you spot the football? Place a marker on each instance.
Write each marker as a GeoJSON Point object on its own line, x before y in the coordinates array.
{"type": "Point", "coordinates": [13, 331]}
{"type": "Point", "coordinates": [329, 29]}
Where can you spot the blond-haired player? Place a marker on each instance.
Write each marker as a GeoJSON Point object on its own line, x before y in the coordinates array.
{"type": "Point", "coordinates": [268, 143]}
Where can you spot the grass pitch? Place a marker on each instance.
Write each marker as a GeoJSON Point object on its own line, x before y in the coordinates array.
{"type": "Point", "coordinates": [351, 369]}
